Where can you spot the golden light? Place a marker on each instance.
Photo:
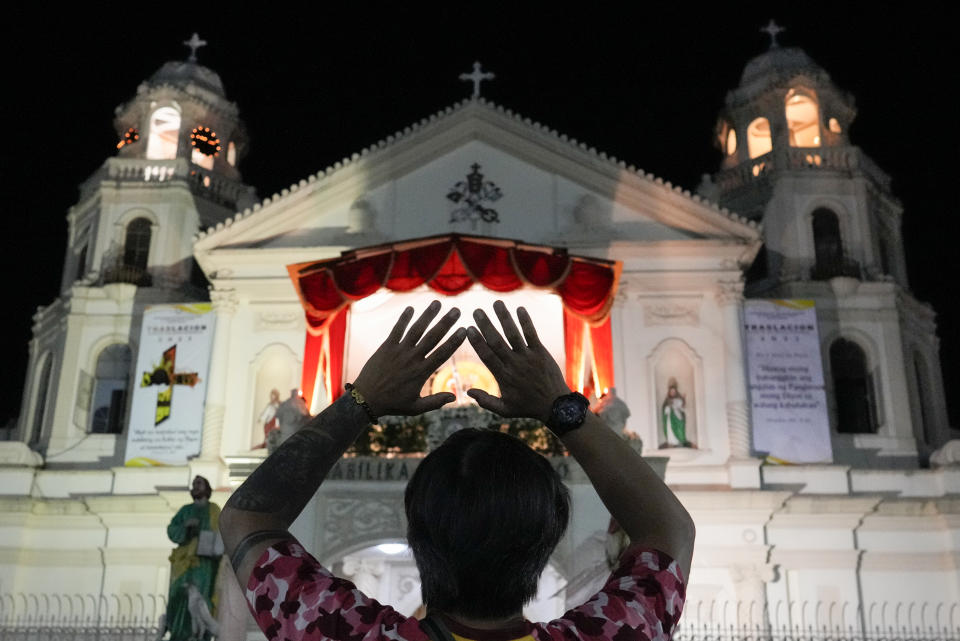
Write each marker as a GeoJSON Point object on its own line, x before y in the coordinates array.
{"type": "Point", "coordinates": [803, 119]}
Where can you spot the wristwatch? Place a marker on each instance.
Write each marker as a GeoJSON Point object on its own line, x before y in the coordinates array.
{"type": "Point", "coordinates": [568, 413]}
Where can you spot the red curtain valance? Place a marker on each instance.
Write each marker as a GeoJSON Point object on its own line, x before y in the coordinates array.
{"type": "Point", "coordinates": [449, 265]}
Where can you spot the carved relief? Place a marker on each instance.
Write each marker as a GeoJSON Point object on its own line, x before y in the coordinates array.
{"type": "Point", "coordinates": [360, 519]}
{"type": "Point", "coordinates": [671, 314]}
{"type": "Point", "coordinates": [362, 217]}
{"type": "Point", "coordinates": [273, 320]}
{"type": "Point", "coordinates": [729, 292]}
{"type": "Point", "coordinates": [589, 212]}
{"type": "Point", "coordinates": [224, 300]}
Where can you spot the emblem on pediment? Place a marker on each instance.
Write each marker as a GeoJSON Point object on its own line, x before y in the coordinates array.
{"type": "Point", "coordinates": [472, 197]}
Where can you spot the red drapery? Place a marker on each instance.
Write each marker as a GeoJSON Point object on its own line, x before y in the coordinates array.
{"type": "Point", "coordinates": [449, 265]}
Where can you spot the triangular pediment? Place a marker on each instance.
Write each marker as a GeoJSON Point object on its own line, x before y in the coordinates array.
{"type": "Point", "coordinates": [477, 169]}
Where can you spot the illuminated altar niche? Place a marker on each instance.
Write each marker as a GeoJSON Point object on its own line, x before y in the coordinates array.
{"type": "Point", "coordinates": [452, 265]}
{"type": "Point", "coordinates": [371, 319]}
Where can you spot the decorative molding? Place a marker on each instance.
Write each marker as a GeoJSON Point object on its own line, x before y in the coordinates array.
{"type": "Point", "coordinates": [671, 314]}
{"type": "Point", "coordinates": [729, 292]}
{"type": "Point", "coordinates": [273, 320]}
{"type": "Point", "coordinates": [746, 573]}
{"type": "Point", "coordinates": [345, 521]}
{"type": "Point", "coordinates": [224, 301]}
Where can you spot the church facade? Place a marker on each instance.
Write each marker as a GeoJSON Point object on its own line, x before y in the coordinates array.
{"type": "Point", "coordinates": [795, 212]}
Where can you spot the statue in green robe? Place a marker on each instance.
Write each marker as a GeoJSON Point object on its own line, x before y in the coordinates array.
{"type": "Point", "coordinates": [674, 416]}
{"type": "Point", "coordinates": [195, 529]}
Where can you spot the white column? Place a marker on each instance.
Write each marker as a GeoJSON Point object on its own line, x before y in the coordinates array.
{"type": "Point", "coordinates": [730, 299]}
{"type": "Point", "coordinates": [224, 305]}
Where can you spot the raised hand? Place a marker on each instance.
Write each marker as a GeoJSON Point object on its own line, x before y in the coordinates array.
{"type": "Point", "coordinates": [529, 379]}
{"type": "Point", "coordinates": [393, 377]}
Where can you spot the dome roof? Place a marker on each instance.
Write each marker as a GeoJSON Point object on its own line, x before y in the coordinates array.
{"type": "Point", "coordinates": [777, 62]}
{"type": "Point", "coordinates": [180, 74]}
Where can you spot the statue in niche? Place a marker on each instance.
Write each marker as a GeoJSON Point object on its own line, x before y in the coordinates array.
{"type": "Point", "coordinates": [268, 417]}
{"type": "Point", "coordinates": [292, 414]}
{"type": "Point", "coordinates": [674, 417]}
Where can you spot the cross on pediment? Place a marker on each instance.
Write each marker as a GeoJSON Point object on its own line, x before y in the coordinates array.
{"type": "Point", "coordinates": [194, 43]}
{"type": "Point", "coordinates": [773, 30]}
{"type": "Point", "coordinates": [476, 77]}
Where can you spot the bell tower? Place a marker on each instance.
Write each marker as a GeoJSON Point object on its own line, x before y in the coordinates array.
{"type": "Point", "coordinates": [130, 245]}
{"type": "Point", "coordinates": [832, 233]}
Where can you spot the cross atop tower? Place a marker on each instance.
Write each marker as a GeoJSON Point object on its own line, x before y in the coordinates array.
{"type": "Point", "coordinates": [476, 76]}
{"type": "Point", "coordinates": [773, 30]}
{"type": "Point", "coordinates": [194, 43]}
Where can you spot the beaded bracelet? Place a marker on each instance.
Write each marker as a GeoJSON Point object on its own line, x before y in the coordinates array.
{"type": "Point", "coordinates": [362, 402]}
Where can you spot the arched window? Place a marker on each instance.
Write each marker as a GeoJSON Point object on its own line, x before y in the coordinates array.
{"type": "Point", "coordinates": [40, 400]}
{"type": "Point", "coordinates": [758, 138]}
{"type": "Point", "coordinates": [853, 389]}
{"type": "Point", "coordinates": [81, 263]}
{"type": "Point", "coordinates": [110, 390]}
{"type": "Point", "coordinates": [827, 245]}
{"type": "Point", "coordinates": [803, 120]}
{"type": "Point", "coordinates": [923, 397]}
{"type": "Point", "coordinates": [232, 154]}
{"type": "Point", "coordinates": [731, 146]}
{"type": "Point", "coordinates": [164, 134]}
{"type": "Point", "coordinates": [136, 244]}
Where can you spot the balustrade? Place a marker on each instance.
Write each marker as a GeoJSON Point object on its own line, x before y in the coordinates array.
{"type": "Point", "coordinates": [841, 266]}
{"type": "Point", "coordinates": [844, 159]}
{"type": "Point", "coordinates": [204, 183]}
{"type": "Point", "coordinates": [127, 274]}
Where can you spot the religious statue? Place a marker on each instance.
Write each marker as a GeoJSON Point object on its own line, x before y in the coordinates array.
{"type": "Point", "coordinates": [612, 410]}
{"type": "Point", "coordinates": [946, 456]}
{"type": "Point", "coordinates": [291, 415]}
{"type": "Point", "coordinates": [268, 417]}
{"type": "Point", "coordinates": [674, 416]}
{"type": "Point", "coordinates": [194, 564]}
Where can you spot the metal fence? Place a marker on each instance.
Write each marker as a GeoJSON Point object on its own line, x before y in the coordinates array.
{"type": "Point", "coordinates": [819, 621]}
{"type": "Point", "coordinates": [131, 617]}
{"type": "Point", "coordinates": [80, 617]}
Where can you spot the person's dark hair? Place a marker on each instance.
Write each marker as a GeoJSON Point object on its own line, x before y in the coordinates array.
{"type": "Point", "coordinates": [484, 514]}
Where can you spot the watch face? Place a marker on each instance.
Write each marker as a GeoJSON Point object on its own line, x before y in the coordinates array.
{"type": "Point", "coordinates": [205, 140]}
{"type": "Point", "coordinates": [568, 412]}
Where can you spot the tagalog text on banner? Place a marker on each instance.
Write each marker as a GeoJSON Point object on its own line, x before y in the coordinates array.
{"type": "Point", "coordinates": [785, 374]}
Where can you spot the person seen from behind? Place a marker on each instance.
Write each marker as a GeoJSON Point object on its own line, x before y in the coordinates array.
{"type": "Point", "coordinates": [484, 511]}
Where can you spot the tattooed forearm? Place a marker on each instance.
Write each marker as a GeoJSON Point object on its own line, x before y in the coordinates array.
{"type": "Point", "coordinates": [286, 481]}
{"type": "Point", "coordinates": [240, 552]}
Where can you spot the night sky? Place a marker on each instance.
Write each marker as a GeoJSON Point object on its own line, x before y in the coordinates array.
{"type": "Point", "coordinates": [315, 86]}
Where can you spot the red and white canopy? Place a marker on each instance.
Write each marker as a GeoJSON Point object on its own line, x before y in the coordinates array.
{"type": "Point", "coordinates": [451, 264]}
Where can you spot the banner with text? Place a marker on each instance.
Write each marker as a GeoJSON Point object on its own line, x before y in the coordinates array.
{"type": "Point", "coordinates": [170, 385]}
{"type": "Point", "coordinates": [787, 396]}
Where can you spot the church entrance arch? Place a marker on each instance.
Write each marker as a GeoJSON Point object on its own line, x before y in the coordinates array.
{"type": "Point", "coordinates": [358, 529]}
